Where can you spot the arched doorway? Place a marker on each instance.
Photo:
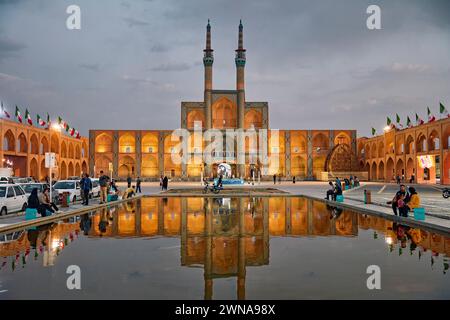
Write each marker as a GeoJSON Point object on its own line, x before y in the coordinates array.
{"type": "Point", "coordinates": [409, 168]}
{"type": "Point", "coordinates": [44, 146]}
{"type": "Point", "coordinates": [373, 171]}
{"type": "Point", "coordinates": [71, 170]}
{"type": "Point", "coordinates": [224, 114]}
{"type": "Point", "coordinates": [9, 141]}
{"type": "Point", "coordinates": [381, 171]}
{"type": "Point", "coordinates": [400, 168]}
{"type": "Point", "coordinates": [77, 170]}
{"type": "Point", "coordinates": [390, 174]}
{"type": "Point", "coordinates": [103, 143]}
{"type": "Point", "coordinates": [22, 145]}
{"type": "Point", "coordinates": [253, 119]}
{"type": "Point", "coordinates": [84, 168]}
{"type": "Point", "coordinates": [63, 171]}
{"type": "Point", "coordinates": [195, 117]}
{"type": "Point", "coordinates": [43, 171]}
{"type": "Point", "coordinates": [63, 150]}
{"type": "Point", "coordinates": [34, 169]}
{"type": "Point", "coordinates": [126, 167]}
{"type": "Point", "coordinates": [54, 144]}
{"type": "Point", "coordinates": [34, 144]}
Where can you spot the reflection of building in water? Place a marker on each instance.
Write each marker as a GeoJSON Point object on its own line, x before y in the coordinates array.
{"type": "Point", "coordinates": [47, 241]}
{"type": "Point", "coordinates": [224, 236]}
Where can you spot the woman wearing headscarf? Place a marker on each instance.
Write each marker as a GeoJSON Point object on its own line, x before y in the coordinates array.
{"type": "Point", "coordinates": [33, 199]}
{"type": "Point", "coordinates": [412, 201]}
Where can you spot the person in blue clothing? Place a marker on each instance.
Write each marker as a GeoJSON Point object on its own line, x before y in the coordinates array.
{"type": "Point", "coordinates": [86, 187]}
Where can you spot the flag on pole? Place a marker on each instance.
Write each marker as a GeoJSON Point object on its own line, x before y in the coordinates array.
{"type": "Point", "coordinates": [40, 121]}
{"type": "Point", "coordinates": [4, 112]}
{"type": "Point", "coordinates": [18, 115]}
{"type": "Point", "coordinates": [397, 119]}
{"type": "Point", "coordinates": [72, 131]}
{"type": "Point", "coordinates": [408, 122]}
{"type": "Point", "coordinates": [443, 111]}
{"type": "Point", "coordinates": [78, 136]}
{"type": "Point", "coordinates": [431, 116]}
{"type": "Point", "coordinates": [28, 117]}
{"type": "Point", "coordinates": [419, 120]}
{"type": "Point", "coordinates": [374, 131]}
{"type": "Point", "coordinates": [388, 121]}
{"type": "Point", "coordinates": [48, 121]}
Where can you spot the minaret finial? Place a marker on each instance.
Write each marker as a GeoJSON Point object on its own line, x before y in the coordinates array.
{"type": "Point", "coordinates": [208, 58]}
{"type": "Point", "coordinates": [240, 52]}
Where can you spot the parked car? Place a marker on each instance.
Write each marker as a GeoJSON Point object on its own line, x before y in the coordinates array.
{"type": "Point", "coordinates": [71, 186]}
{"type": "Point", "coordinates": [74, 178]}
{"type": "Point", "coordinates": [95, 188]}
{"type": "Point", "coordinates": [4, 179]}
{"type": "Point", "coordinates": [12, 199]}
{"type": "Point", "coordinates": [28, 187]}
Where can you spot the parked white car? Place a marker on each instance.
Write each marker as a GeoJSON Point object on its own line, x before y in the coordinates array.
{"type": "Point", "coordinates": [71, 186]}
{"type": "Point", "coordinates": [95, 188]}
{"type": "Point", "coordinates": [12, 199]}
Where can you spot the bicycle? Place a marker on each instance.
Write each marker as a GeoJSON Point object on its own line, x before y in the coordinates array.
{"type": "Point", "coordinates": [214, 188]}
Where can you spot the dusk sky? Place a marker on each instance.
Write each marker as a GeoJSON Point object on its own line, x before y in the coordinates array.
{"type": "Point", "coordinates": [315, 62]}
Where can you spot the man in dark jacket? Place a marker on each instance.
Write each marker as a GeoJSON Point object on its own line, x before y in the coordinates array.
{"type": "Point", "coordinates": [138, 185]}
{"type": "Point", "coordinates": [103, 181]}
{"type": "Point", "coordinates": [129, 181]}
{"type": "Point", "coordinates": [86, 187]}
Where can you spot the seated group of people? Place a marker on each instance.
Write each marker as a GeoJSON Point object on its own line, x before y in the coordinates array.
{"type": "Point", "coordinates": [405, 200]}
{"type": "Point", "coordinates": [41, 202]}
{"type": "Point", "coordinates": [335, 190]}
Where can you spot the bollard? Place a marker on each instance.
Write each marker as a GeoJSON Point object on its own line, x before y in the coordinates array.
{"type": "Point", "coordinates": [367, 197]}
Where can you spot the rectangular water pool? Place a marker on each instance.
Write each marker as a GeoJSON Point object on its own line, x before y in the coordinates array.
{"type": "Point", "coordinates": [224, 248]}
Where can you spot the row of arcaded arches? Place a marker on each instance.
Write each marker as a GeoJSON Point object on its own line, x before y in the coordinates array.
{"type": "Point", "coordinates": [65, 168]}
{"type": "Point", "coordinates": [34, 146]}
{"type": "Point", "coordinates": [149, 142]}
{"type": "Point", "coordinates": [379, 170]}
{"type": "Point", "coordinates": [410, 145]}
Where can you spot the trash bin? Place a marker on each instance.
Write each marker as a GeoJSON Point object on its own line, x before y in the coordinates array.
{"type": "Point", "coordinates": [419, 214]}
{"type": "Point", "coordinates": [65, 199]}
{"type": "Point", "coordinates": [367, 197]}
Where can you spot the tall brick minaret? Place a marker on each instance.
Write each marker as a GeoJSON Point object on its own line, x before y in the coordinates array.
{"type": "Point", "coordinates": [240, 76]}
{"type": "Point", "coordinates": [208, 60]}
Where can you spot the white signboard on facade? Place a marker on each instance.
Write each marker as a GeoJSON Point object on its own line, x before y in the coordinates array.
{"type": "Point", "coordinates": [50, 159]}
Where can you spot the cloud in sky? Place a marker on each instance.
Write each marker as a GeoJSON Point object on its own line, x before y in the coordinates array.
{"type": "Point", "coordinates": [315, 62]}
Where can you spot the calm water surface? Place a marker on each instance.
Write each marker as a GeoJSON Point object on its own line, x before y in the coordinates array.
{"type": "Point", "coordinates": [230, 248]}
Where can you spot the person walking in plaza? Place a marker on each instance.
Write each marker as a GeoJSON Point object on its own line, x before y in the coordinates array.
{"type": "Point", "coordinates": [138, 185]}
{"type": "Point", "coordinates": [129, 181]}
{"type": "Point", "coordinates": [86, 189]}
{"type": "Point", "coordinates": [293, 179]}
{"type": "Point", "coordinates": [165, 183]}
{"type": "Point", "coordinates": [161, 182]}
{"type": "Point", "coordinates": [274, 178]}
{"type": "Point", "coordinates": [81, 187]}
{"type": "Point", "coordinates": [412, 178]}
{"type": "Point", "coordinates": [103, 181]}
{"type": "Point", "coordinates": [398, 178]}
{"type": "Point", "coordinates": [394, 202]}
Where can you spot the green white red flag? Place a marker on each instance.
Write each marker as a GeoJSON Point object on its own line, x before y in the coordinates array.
{"type": "Point", "coordinates": [28, 117]}
{"type": "Point", "coordinates": [419, 120]}
{"type": "Point", "coordinates": [18, 115]}
{"type": "Point", "coordinates": [4, 112]}
{"type": "Point", "coordinates": [40, 121]}
{"type": "Point", "coordinates": [443, 111]}
{"type": "Point", "coordinates": [431, 116]}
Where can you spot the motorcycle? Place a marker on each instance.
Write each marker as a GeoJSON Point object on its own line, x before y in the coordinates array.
{"type": "Point", "coordinates": [214, 188]}
{"type": "Point", "coordinates": [446, 193]}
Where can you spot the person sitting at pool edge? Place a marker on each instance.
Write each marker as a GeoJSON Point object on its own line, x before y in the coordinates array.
{"type": "Point", "coordinates": [331, 192]}
{"type": "Point", "coordinates": [129, 192]}
{"type": "Point", "coordinates": [412, 201]}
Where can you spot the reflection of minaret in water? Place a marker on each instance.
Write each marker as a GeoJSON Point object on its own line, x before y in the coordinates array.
{"type": "Point", "coordinates": [240, 61]}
